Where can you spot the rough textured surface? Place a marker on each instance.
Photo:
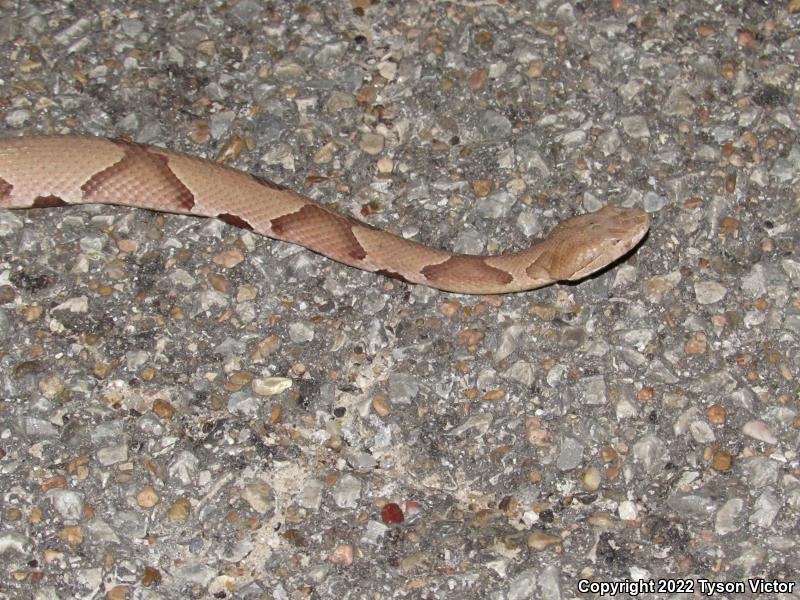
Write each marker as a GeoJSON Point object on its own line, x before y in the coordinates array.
{"type": "Point", "coordinates": [189, 410]}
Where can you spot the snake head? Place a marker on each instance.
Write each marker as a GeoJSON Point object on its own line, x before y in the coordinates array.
{"type": "Point", "coordinates": [587, 243]}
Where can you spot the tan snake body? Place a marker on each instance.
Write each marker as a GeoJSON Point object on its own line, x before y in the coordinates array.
{"type": "Point", "coordinates": [59, 170]}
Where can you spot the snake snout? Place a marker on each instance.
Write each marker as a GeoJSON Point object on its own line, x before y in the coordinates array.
{"type": "Point", "coordinates": [607, 235]}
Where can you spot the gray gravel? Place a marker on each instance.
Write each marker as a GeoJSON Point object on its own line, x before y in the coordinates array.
{"type": "Point", "coordinates": [192, 411]}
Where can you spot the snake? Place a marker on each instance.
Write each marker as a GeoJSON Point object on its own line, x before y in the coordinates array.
{"type": "Point", "coordinates": [59, 170]}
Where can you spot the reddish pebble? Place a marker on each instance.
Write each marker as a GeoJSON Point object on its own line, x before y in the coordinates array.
{"type": "Point", "coordinates": [392, 513]}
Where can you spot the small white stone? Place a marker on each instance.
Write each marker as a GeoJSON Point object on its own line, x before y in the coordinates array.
{"type": "Point", "coordinates": [17, 118]}
{"type": "Point", "coordinates": [709, 292]}
{"type": "Point", "coordinates": [271, 386]}
{"type": "Point", "coordinates": [759, 431]}
{"type": "Point", "coordinates": [627, 510]}
{"type": "Point", "coordinates": [701, 432]}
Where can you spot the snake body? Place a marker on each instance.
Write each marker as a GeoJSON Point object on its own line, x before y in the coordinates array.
{"type": "Point", "coordinates": [64, 170]}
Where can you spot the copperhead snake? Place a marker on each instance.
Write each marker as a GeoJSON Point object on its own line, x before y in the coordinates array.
{"type": "Point", "coordinates": [64, 170]}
